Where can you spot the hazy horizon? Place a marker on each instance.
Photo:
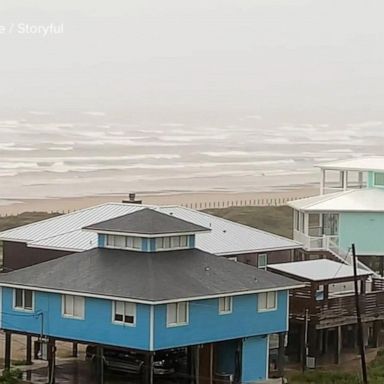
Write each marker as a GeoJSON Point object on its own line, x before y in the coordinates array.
{"type": "Point", "coordinates": [185, 95]}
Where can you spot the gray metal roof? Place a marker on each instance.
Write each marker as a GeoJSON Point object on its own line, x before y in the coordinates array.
{"type": "Point", "coordinates": [225, 238]}
{"type": "Point", "coordinates": [147, 222]}
{"type": "Point", "coordinates": [147, 277]}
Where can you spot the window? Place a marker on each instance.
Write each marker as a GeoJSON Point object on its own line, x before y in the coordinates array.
{"type": "Point", "coordinates": [379, 179]}
{"type": "Point", "coordinates": [267, 301]}
{"type": "Point", "coordinates": [124, 313]}
{"type": "Point", "coordinates": [262, 261]}
{"type": "Point", "coordinates": [172, 242]}
{"type": "Point", "coordinates": [73, 306]}
{"type": "Point", "coordinates": [23, 299]}
{"type": "Point", "coordinates": [133, 242]}
{"type": "Point", "coordinates": [116, 241]}
{"type": "Point", "coordinates": [123, 242]}
{"type": "Point", "coordinates": [177, 314]}
{"type": "Point", "coordinates": [225, 305]}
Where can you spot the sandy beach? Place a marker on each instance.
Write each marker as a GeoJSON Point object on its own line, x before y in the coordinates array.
{"type": "Point", "coordinates": [193, 200]}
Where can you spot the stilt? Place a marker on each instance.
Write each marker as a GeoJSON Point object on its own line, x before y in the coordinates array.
{"type": "Point", "coordinates": [51, 361]}
{"type": "Point", "coordinates": [99, 365]}
{"type": "Point", "coordinates": [197, 365]}
{"type": "Point", "coordinates": [312, 340]}
{"type": "Point", "coordinates": [148, 368]}
{"type": "Point", "coordinates": [338, 344]}
{"type": "Point", "coordinates": [7, 353]}
{"type": "Point", "coordinates": [281, 355]}
{"type": "Point", "coordinates": [29, 350]}
{"type": "Point", "coordinates": [376, 333]}
{"type": "Point", "coordinates": [74, 349]}
{"type": "Point", "coordinates": [211, 363]}
{"type": "Point", "coordinates": [325, 341]}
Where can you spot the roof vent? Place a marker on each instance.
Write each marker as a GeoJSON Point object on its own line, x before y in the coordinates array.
{"type": "Point", "coordinates": [207, 269]}
{"type": "Point", "coordinates": [132, 199]}
{"type": "Point", "coordinates": [224, 231]}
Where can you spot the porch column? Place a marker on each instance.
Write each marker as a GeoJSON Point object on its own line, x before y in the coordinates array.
{"type": "Point", "coordinates": [338, 344]}
{"type": "Point", "coordinates": [51, 360]}
{"type": "Point", "coordinates": [281, 354]}
{"type": "Point", "coordinates": [345, 180]}
{"type": "Point", "coordinates": [99, 365]}
{"type": "Point", "coordinates": [148, 368]}
{"type": "Point", "coordinates": [74, 349]}
{"type": "Point", "coordinates": [7, 353]}
{"type": "Point", "coordinates": [29, 350]}
{"type": "Point", "coordinates": [306, 223]}
{"type": "Point", "coordinates": [322, 182]}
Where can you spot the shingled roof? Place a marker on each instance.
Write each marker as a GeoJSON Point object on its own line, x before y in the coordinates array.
{"type": "Point", "coordinates": [147, 222]}
{"type": "Point", "coordinates": [146, 277]}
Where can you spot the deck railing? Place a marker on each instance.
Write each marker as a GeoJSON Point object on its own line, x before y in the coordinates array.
{"type": "Point", "coordinates": [338, 310]}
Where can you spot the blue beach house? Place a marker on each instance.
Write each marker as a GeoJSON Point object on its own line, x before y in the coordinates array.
{"type": "Point", "coordinates": [147, 288]}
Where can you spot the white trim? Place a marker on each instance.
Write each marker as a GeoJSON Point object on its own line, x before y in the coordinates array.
{"type": "Point", "coordinates": [144, 235]}
{"type": "Point", "coordinates": [181, 323]}
{"type": "Point", "coordinates": [267, 360]}
{"type": "Point", "coordinates": [260, 250]}
{"type": "Point", "coordinates": [287, 327]}
{"type": "Point", "coordinates": [1, 307]}
{"type": "Point", "coordinates": [154, 302]}
{"type": "Point", "coordinates": [67, 316]}
{"type": "Point", "coordinates": [267, 309]}
{"type": "Point", "coordinates": [22, 309]}
{"type": "Point", "coordinates": [151, 328]}
{"type": "Point", "coordinates": [230, 305]}
{"type": "Point", "coordinates": [123, 323]}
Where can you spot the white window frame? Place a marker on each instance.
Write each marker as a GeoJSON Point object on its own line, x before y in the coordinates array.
{"type": "Point", "coordinates": [22, 308]}
{"type": "Point", "coordinates": [267, 295]}
{"type": "Point", "coordinates": [169, 239]}
{"type": "Point", "coordinates": [262, 255]}
{"type": "Point", "coordinates": [124, 323]}
{"type": "Point", "coordinates": [226, 301]}
{"type": "Point", "coordinates": [69, 315]}
{"type": "Point", "coordinates": [136, 242]}
{"type": "Point", "coordinates": [178, 323]}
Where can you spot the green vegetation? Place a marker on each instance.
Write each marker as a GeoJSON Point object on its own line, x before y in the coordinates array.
{"type": "Point", "coordinates": [13, 376]}
{"type": "Point", "coordinates": [278, 220]}
{"type": "Point", "coordinates": [375, 375]}
{"type": "Point", "coordinates": [12, 221]}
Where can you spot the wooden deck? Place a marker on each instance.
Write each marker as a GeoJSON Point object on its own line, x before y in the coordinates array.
{"type": "Point", "coordinates": [336, 311]}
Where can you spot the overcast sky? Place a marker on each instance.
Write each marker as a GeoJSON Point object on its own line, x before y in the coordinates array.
{"type": "Point", "coordinates": [261, 55]}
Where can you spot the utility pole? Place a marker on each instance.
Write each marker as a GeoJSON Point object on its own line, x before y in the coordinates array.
{"type": "Point", "coordinates": [305, 349]}
{"type": "Point", "coordinates": [358, 315]}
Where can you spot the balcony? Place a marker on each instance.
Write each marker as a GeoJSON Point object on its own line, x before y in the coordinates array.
{"type": "Point", "coordinates": [337, 309]}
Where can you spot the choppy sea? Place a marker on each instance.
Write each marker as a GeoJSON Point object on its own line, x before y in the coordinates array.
{"type": "Point", "coordinates": [41, 156]}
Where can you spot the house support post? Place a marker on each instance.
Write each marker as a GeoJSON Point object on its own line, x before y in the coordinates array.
{"type": "Point", "coordinates": [376, 333]}
{"type": "Point", "coordinates": [99, 365]}
{"type": "Point", "coordinates": [338, 344]}
{"type": "Point", "coordinates": [29, 350]}
{"type": "Point", "coordinates": [281, 354]}
{"type": "Point", "coordinates": [148, 368]}
{"type": "Point", "coordinates": [51, 361]}
{"type": "Point", "coordinates": [7, 353]}
{"type": "Point", "coordinates": [74, 349]}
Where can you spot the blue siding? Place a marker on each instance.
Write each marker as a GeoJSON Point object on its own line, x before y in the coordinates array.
{"type": "Point", "coordinates": [192, 241]}
{"type": "Point", "coordinates": [97, 325]}
{"type": "Point", "coordinates": [365, 229]}
{"type": "Point", "coordinates": [254, 359]}
{"type": "Point", "coordinates": [101, 240]}
{"type": "Point", "coordinates": [206, 325]}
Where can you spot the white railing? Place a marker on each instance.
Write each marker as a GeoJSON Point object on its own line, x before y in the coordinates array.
{"type": "Point", "coordinates": [330, 244]}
